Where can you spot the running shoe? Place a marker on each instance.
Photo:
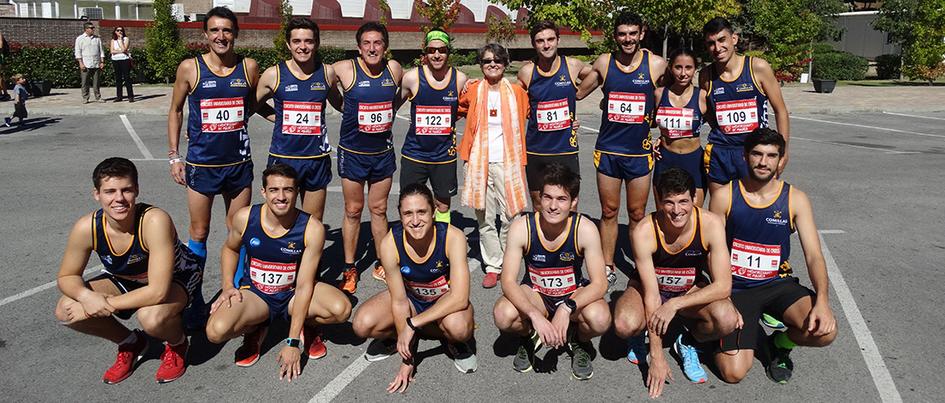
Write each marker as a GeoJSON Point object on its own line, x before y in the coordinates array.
{"type": "Point", "coordinates": [349, 284]}
{"type": "Point", "coordinates": [781, 367]}
{"type": "Point", "coordinates": [173, 362]}
{"type": "Point", "coordinates": [490, 280]}
{"type": "Point", "coordinates": [128, 356]}
{"type": "Point", "coordinates": [380, 349]}
{"type": "Point", "coordinates": [690, 361]}
{"type": "Point", "coordinates": [379, 273]}
{"type": "Point", "coordinates": [581, 367]}
{"type": "Point", "coordinates": [316, 347]}
{"type": "Point", "coordinates": [248, 353]}
{"type": "Point", "coordinates": [771, 322]}
{"type": "Point", "coordinates": [636, 348]}
{"type": "Point", "coordinates": [611, 272]}
{"type": "Point", "coordinates": [464, 359]}
{"type": "Point", "coordinates": [525, 356]}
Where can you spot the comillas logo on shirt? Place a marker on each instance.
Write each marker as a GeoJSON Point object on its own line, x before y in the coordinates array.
{"type": "Point", "coordinates": [562, 81]}
{"type": "Point", "coordinates": [538, 258]}
{"type": "Point", "coordinates": [317, 86]}
{"type": "Point", "coordinates": [776, 219]}
{"type": "Point", "coordinates": [566, 257]}
{"type": "Point", "coordinates": [290, 249]}
{"type": "Point", "coordinates": [107, 259]}
{"type": "Point", "coordinates": [450, 96]}
{"type": "Point", "coordinates": [135, 258]}
{"type": "Point", "coordinates": [208, 84]}
{"type": "Point", "coordinates": [405, 270]}
{"type": "Point", "coordinates": [744, 87]}
{"type": "Point", "coordinates": [291, 88]}
{"type": "Point", "coordinates": [238, 83]}
{"type": "Point", "coordinates": [641, 79]}
{"type": "Point", "coordinates": [718, 91]}
{"type": "Point", "coordinates": [691, 253]}
{"type": "Point", "coordinates": [254, 242]}
{"type": "Point", "coordinates": [364, 83]}
{"type": "Point", "coordinates": [438, 267]}
{"type": "Point", "coordinates": [387, 83]}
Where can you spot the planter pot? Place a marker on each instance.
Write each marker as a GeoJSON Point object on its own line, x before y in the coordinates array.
{"type": "Point", "coordinates": [824, 86]}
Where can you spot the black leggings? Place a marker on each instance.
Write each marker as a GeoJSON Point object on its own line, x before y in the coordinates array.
{"type": "Point", "coordinates": [123, 76]}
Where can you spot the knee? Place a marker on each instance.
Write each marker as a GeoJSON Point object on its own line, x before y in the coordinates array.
{"type": "Point", "coordinates": [379, 208]}
{"type": "Point", "coordinates": [199, 230]}
{"type": "Point", "coordinates": [151, 319]}
{"type": "Point", "coordinates": [353, 209]}
{"type": "Point", "coordinates": [726, 321]}
{"type": "Point", "coordinates": [637, 213]}
{"type": "Point", "coordinates": [457, 331]}
{"type": "Point", "coordinates": [217, 331]}
{"type": "Point", "coordinates": [504, 315]}
{"type": "Point", "coordinates": [628, 325]}
{"type": "Point", "coordinates": [363, 324]}
{"type": "Point", "coordinates": [732, 373]}
{"type": "Point", "coordinates": [340, 310]}
{"type": "Point", "coordinates": [608, 211]}
{"type": "Point", "coordinates": [597, 321]}
{"type": "Point", "coordinates": [825, 340]}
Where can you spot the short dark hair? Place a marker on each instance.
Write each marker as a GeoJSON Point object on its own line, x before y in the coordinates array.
{"type": "Point", "coordinates": [674, 181]}
{"type": "Point", "coordinates": [668, 78]}
{"type": "Point", "coordinates": [223, 12]}
{"type": "Point", "coordinates": [88, 25]}
{"type": "Point", "coordinates": [541, 26]}
{"type": "Point", "coordinates": [412, 189]}
{"type": "Point", "coordinates": [373, 26]}
{"type": "Point", "coordinates": [765, 136]}
{"type": "Point", "coordinates": [280, 169]}
{"type": "Point", "coordinates": [499, 52]}
{"type": "Point", "coordinates": [559, 175]}
{"type": "Point", "coordinates": [302, 23]}
{"type": "Point", "coordinates": [627, 18]}
{"type": "Point", "coordinates": [716, 25]}
{"type": "Point", "coordinates": [114, 167]}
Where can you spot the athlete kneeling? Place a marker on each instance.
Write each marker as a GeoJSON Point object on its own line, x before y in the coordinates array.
{"type": "Point", "coordinates": [154, 274]}
{"type": "Point", "coordinates": [283, 246]}
{"type": "Point", "coordinates": [674, 250]}
{"type": "Point", "coordinates": [554, 242]}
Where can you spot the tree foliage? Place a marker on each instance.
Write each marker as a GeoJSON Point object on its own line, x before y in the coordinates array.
{"type": "Point", "coordinates": [164, 48]}
{"type": "Point", "coordinates": [278, 41]}
{"type": "Point", "coordinates": [919, 28]}
{"type": "Point", "coordinates": [501, 30]}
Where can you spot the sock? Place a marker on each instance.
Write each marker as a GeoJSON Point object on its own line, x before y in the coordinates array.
{"type": "Point", "coordinates": [132, 338]}
{"type": "Point", "coordinates": [239, 267]}
{"type": "Point", "coordinates": [781, 340]}
{"type": "Point", "coordinates": [442, 216]}
{"type": "Point", "coordinates": [199, 248]}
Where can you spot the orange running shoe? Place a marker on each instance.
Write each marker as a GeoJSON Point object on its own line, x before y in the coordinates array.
{"type": "Point", "coordinates": [349, 283]}
{"type": "Point", "coordinates": [316, 348]}
{"type": "Point", "coordinates": [173, 362]}
{"type": "Point", "coordinates": [379, 273]}
{"type": "Point", "coordinates": [128, 356]}
{"type": "Point", "coordinates": [248, 353]}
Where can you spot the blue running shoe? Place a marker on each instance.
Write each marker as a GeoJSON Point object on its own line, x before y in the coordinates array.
{"type": "Point", "coordinates": [636, 349]}
{"type": "Point", "coordinates": [690, 361]}
{"type": "Point", "coordinates": [771, 322]}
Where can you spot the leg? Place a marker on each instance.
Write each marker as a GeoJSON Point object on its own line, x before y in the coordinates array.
{"type": "Point", "coordinates": [592, 321]}
{"type": "Point", "coordinates": [329, 305]}
{"type": "Point", "coordinates": [228, 322]}
{"type": "Point", "coordinates": [353, 193]}
{"type": "Point", "coordinates": [107, 328]}
{"type": "Point", "coordinates": [712, 321]}
{"type": "Point", "coordinates": [497, 178]}
{"type": "Point", "coordinates": [313, 202]}
{"type": "Point", "coordinates": [700, 197]}
{"type": "Point", "coordinates": [378, 193]}
{"type": "Point", "coordinates": [374, 319]}
{"type": "Point", "coordinates": [163, 321]}
{"type": "Point", "coordinates": [508, 318]}
{"type": "Point", "coordinates": [199, 205]}
{"type": "Point", "coordinates": [84, 77]}
{"type": "Point", "coordinates": [608, 189]}
{"type": "Point", "coordinates": [116, 65]}
{"type": "Point", "coordinates": [638, 190]}
{"type": "Point", "coordinates": [458, 327]}
{"type": "Point", "coordinates": [490, 244]}
{"type": "Point", "coordinates": [96, 74]}
{"type": "Point", "coordinates": [714, 188]}
{"type": "Point", "coordinates": [734, 365]}
{"type": "Point", "coordinates": [629, 314]}
{"type": "Point", "coordinates": [442, 204]}
{"type": "Point", "coordinates": [126, 73]}
{"type": "Point", "coordinates": [795, 317]}
{"type": "Point", "coordinates": [235, 201]}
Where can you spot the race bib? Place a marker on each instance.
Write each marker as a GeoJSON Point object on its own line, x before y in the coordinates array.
{"type": "Point", "coordinates": [755, 261]}
{"type": "Point", "coordinates": [553, 115]}
{"type": "Point", "coordinates": [221, 115]}
{"type": "Point", "coordinates": [433, 120]}
{"type": "Point", "coordinates": [625, 107]}
{"type": "Point", "coordinates": [302, 118]}
{"type": "Point", "coordinates": [377, 117]}
{"type": "Point", "coordinates": [428, 291]}
{"type": "Point", "coordinates": [675, 280]}
{"type": "Point", "coordinates": [737, 117]}
{"type": "Point", "coordinates": [271, 277]}
{"type": "Point", "coordinates": [552, 281]}
{"type": "Point", "coordinates": [675, 123]}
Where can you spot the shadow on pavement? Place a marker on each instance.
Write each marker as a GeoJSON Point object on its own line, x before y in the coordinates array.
{"type": "Point", "coordinates": [29, 125]}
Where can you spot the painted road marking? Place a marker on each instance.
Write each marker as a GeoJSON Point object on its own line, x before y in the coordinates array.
{"type": "Point", "coordinates": [869, 127]}
{"type": "Point", "coordinates": [883, 150]}
{"type": "Point", "coordinates": [333, 388]}
{"type": "Point", "coordinates": [912, 116]}
{"type": "Point", "coordinates": [134, 136]}
{"type": "Point", "coordinates": [874, 361]}
{"type": "Point", "coordinates": [39, 289]}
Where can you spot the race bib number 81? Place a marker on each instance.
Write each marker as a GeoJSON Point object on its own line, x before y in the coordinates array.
{"type": "Point", "coordinates": [553, 115]}
{"type": "Point", "coordinates": [221, 115]}
{"type": "Point", "coordinates": [302, 118]}
{"type": "Point", "coordinates": [755, 261]}
{"type": "Point", "coordinates": [377, 117]}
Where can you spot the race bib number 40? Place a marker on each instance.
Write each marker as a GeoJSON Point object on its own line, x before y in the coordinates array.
{"type": "Point", "coordinates": [271, 277]}
{"type": "Point", "coordinates": [625, 107]}
{"type": "Point", "coordinates": [302, 118]}
{"type": "Point", "coordinates": [755, 261]}
{"type": "Point", "coordinates": [428, 291]}
{"type": "Point", "coordinates": [675, 280]}
{"type": "Point", "coordinates": [377, 117]}
{"type": "Point", "coordinates": [220, 115]}
{"type": "Point", "coordinates": [433, 120]}
{"type": "Point", "coordinates": [737, 117]}
{"type": "Point", "coordinates": [675, 123]}
{"type": "Point", "coordinates": [553, 115]}
{"type": "Point", "coordinates": [552, 281]}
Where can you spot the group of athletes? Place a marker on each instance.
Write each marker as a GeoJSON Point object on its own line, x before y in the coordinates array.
{"type": "Point", "coordinates": [701, 280]}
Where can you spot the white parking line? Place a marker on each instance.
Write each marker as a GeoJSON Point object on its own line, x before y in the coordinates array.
{"type": "Point", "coordinates": [912, 116]}
{"type": "Point", "coordinates": [874, 361]}
{"type": "Point", "coordinates": [38, 289]}
{"type": "Point", "coordinates": [333, 388]}
{"type": "Point", "coordinates": [134, 136]}
{"type": "Point", "coordinates": [883, 150]}
{"type": "Point", "coordinates": [869, 127]}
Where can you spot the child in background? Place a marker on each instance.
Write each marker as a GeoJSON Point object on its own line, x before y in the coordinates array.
{"type": "Point", "coordinates": [20, 95]}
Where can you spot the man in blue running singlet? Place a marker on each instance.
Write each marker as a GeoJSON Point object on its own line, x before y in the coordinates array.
{"type": "Point", "coordinates": [761, 213]}
{"type": "Point", "coordinates": [283, 246]}
{"type": "Point", "coordinates": [428, 295]}
{"type": "Point", "coordinates": [429, 150]}
{"type": "Point", "coordinates": [738, 90]}
{"type": "Point", "coordinates": [369, 84]}
{"type": "Point", "coordinates": [623, 155]}
{"type": "Point", "coordinates": [299, 87]}
{"type": "Point", "coordinates": [556, 303]}
{"type": "Point", "coordinates": [147, 270]}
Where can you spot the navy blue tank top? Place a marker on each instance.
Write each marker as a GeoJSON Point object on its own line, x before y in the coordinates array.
{"type": "Point", "coordinates": [368, 113]}
{"type": "Point", "coordinates": [759, 237]}
{"type": "Point", "coordinates": [553, 272]}
{"type": "Point", "coordinates": [273, 262]}
{"type": "Point", "coordinates": [551, 97]}
{"type": "Point", "coordinates": [679, 123]}
{"type": "Point", "coordinates": [427, 280]}
{"type": "Point", "coordinates": [219, 112]}
{"type": "Point", "coordinates": [735, 108]}
{"type": "Point", "coordinates": [676, 272]}
{"type": "Point", "coordinates": [300, 130]}
{"type": "Point", "coordinates": [625, 124]}
{"type": "Point", "coordinates": [431, 137]}
{"type": "Point", "coordinates": [132, 264]}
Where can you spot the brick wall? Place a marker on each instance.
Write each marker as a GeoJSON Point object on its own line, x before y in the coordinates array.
{"type": "Point", "coordinates": [42, 31]}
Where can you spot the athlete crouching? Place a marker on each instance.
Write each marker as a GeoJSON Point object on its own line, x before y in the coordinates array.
{"type": "Point", "coordinates": [555, 242]}
{"type": "Point", "coordinates": [283, 246]}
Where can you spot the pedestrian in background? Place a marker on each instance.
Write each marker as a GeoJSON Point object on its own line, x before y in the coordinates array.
{"type": "Point", "coordinates": [20, 95]}
{"type": "Point", "coordinates": [121, 61]}
{"type": "Point", "coordinates": [91, 58]}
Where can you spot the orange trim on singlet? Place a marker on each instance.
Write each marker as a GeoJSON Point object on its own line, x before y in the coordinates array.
{"type": "Point", "coordinates": [662, 239]}
{"type": "Point", "coordinates": [429, 253]}
{"type": "Point", "coordinates": [741, 188]}
{"type": "Point", "coordinates": [541, 236]}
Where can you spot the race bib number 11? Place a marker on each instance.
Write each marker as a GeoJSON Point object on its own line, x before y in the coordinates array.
{"type": "Point", "coordinates": [755, 261]}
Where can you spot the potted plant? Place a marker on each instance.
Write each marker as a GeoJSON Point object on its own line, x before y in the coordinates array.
{"type": "Point", "coordinates": [826, 71]}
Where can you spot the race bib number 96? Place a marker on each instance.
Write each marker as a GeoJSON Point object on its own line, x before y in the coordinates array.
{"type": "Point", "coordinates": [221, 115]}
{"type": "Point", "coordinates": [377, 117]}
{"type": "Point", "coordinates": [552, 281]}
{"type": "Point", "coordinates": [302, 118]}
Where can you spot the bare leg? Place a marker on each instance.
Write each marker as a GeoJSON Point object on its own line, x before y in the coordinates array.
{"type": "Point", "coordinates": [629, 313]}
{"type": "Point", "coordinates": [313, 202]}
{"type": "Point", "coordinates": [350, 228]}
{"type": "Point", "coordinates": [234, 202]}
{"type": "Point", "coordinates": [374, 319]}
{"type": "Point", "coordinates": [592, 321]}
{"type": "Point", "coordinates": [608, 189]}
{"type": "Point", "coordinates": [508, 318]}
{"type": "Point", "coordinates": [228, 322]}
{"type": "Point", "coordinates": [199, 206]}
{"type": "Point", "coordinates": [329, 305]}
{"type": "Point", "coordinates": [106, 328]}
{"type": "Point", "coordinates": [378, 193]}
{"type": "Point", "coordinates": [163, 321]}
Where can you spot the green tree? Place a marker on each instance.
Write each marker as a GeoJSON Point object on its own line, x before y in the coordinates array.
{"type": "Point", "coordinates": [919, 28]}
{"type": "Point", "coordinates": [501, 29]}
{"type": "Point", "coordinates": [278, 41]}
{"type": "Point", "coordinates": [164, 48]}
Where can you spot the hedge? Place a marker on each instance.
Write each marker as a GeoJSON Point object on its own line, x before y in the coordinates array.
{"type": "Point", "coordinates": [839, 66]}
{"type": "Point", "coordinates": [888, 66]}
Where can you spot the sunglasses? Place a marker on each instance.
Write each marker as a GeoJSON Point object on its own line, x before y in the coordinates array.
{"type": "Point", "coordinates": [119, 30]}
{"type": "Point", "coordinates": [486, 62]}
{"type": "Point", "coordinates": [441, 50]}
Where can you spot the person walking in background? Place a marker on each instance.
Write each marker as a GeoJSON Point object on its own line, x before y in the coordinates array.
{"type": "Point", "coordinates": [91, 58]}
{"type": "Point", "coordinates": [20, 95]}
{"type": "Point", "coordinates": [4, 52]}
{"type": "Point", "coordinates": [121, 60]}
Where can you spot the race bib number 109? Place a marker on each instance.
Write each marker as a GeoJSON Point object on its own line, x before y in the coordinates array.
{"type": "Point", "coordinates": [737, 117]}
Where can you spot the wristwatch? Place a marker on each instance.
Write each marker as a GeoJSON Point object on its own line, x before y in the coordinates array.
{"type": "Point", "coordinates": [293, 342]}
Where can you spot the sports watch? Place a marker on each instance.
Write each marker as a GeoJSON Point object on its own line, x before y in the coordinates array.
{"type": "Point", "coordinates": [293, 342]}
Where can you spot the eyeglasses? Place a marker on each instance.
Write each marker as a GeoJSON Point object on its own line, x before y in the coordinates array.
{"type": "Point", "coordinates": [441, 50]}
{"type": "Point", "coordinates": [119, 30]}
{"type": "Point", "coordinates": [486, 62]}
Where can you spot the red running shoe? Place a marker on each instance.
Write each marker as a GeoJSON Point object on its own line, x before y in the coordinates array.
{"type": "Point", "coordinates": [316, 348]}
{"type": "Point", "coordinates": [128, 356]}
{"type": "Point", "coordinates": [248, 353]}
{"type": "Point", "coordinates": [173, 362]}
{"type": "Point", "coordinates": [490, 280]}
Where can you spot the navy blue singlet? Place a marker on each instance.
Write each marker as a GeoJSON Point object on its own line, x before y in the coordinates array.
{"type": "Point", "coordinates": [300, 130]}
{"type": "Point", "coordinates": [216, 125]}
{"type": "Point", "coordinates": [735, 108]}
{"type": "Point", "coordinates": [759, 237]}
{"type": "Point", "coordinates": [625, 124]}
{"type": "Point", "coordinates": [677, 272]}
{"type": "Point", "coordinates": [552, 97]}
{"type": "Point", "coordinates": [132, 263]}
{"type": "Point", "coordinates": [431, 137]}
{"type": "Point", "coordinates": [555, 273]}
{"type": "Point", "coordinates": [679, 123]}
{"type": "Point", "coordinates": [273, 262]}
{"type": "Point", "coordinates": [368, 113]}
{"type": "Point", "coordinates": [428, 280]}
